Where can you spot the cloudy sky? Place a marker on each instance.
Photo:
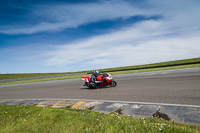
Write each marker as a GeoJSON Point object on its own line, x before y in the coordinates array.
{"type": "Point", "coordinates": [75, 35]}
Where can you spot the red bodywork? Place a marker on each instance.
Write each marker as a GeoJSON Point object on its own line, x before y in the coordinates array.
{"type": "Point", "coordinates": [99, 78]}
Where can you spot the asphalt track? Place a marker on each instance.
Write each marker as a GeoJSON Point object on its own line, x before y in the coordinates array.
{"type": "Point", "coordinates": [181, 87]}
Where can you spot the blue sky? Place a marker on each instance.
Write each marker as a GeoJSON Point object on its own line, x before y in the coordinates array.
{"type": "Point", "coordinates": [73, 35]}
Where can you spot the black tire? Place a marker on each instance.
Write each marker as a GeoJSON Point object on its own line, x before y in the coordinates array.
{"type": "Point", "coordinates": [91, 86]}
{"type": "Point", "coordinates": [113, 83]}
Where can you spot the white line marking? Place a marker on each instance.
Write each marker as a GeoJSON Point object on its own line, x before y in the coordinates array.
{"type": "Point", "coordinates": [142, 103]}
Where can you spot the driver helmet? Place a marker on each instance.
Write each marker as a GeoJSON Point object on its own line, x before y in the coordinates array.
{"type": "Point", "coordinates": [96, 72]}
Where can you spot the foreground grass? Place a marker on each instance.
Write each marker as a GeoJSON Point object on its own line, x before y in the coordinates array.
{"type": "Point", "coordinates": [65, 120]}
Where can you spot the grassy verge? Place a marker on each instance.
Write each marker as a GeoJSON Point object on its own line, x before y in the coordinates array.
{"type": "Point", "coordinates": [16, 76]}
{"type": "Point", "coordinates": [155, 69]}
{"type": "Point", "coordinates": [36, 119]}
{"type": "Point", "coordinates": [113, 73]}
{"type": "Point", "coordinates": [32, 75]}
{"type": "Point", "coordinates": [177, 62]}
{"type": "Point", "coordinates": [45, 79]}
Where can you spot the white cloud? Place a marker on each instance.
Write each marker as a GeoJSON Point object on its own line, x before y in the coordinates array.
{"type": "Point", "coordinates": [51, 18]}
{"type": "Point", "coordinates": [59, 17]}
{"type": "Point", "coordinates": [174, 36]}
{"type": "Point", "coordinates": [145, 42]}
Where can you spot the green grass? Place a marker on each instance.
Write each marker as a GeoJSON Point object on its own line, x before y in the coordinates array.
{"type": "Point", "coordinates": [31, 75]}
{"type": "Point", "coordinates": [44, 79]}
{"type": "Point", "coordinates": [16, 76]}
{"type": "Point", "coordinates": [33, 119]}
{"type": "Point", "coordinates": [113, 73]}
{"type": "Point", "coordinates": [155, 69]}
{"type": "Point", "coordinates": [177, 62]}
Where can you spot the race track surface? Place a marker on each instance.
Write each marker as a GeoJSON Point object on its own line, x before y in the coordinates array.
{"type": "Point", "coordinates": [172, 88]}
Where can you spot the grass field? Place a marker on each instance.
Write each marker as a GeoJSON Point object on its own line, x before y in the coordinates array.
{"type": "Point", "coordinates": [177, 62]}
{"type": "Point", "coordinates": [31, 75]}
{"type": "Point", "coordinates": [64, 120]}
{"type": "Point", "coordinates": [155, 69]}
{"type": "Point", "coordinates": [113, 73]}
{"type": "Point", "coordinates": [16, 76]}
{"type": "Point", "coordinates": [44, 79]}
